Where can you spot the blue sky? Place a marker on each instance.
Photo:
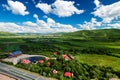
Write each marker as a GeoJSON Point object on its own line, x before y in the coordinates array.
{"type": "Point", "coordinates": [51, 16]}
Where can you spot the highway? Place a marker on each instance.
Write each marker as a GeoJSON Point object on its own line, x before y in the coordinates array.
{"type": "Point", "coordinates": [18, 74]}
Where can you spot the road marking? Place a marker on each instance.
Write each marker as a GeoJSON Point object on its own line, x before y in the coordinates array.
{"type": "Point", "coordinates": [22, 75]}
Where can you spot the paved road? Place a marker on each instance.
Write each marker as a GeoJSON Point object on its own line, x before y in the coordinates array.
{"type": "Point", "coordinates": [16, 73]}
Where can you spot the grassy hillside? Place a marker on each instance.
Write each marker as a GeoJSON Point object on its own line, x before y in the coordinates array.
{"type": "Point", "coordinates": [96, 34]}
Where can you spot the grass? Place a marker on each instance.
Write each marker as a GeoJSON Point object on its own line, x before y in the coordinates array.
{"type": "Point", "coordinates": [116, 47]}
{"type": "Point", "coordinates": [100, 60]}
{"type": "Point", "coordinates": [76, 40]}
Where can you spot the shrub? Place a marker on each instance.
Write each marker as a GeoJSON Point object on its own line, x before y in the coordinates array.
{"type": "Point", "coordinates": [69, 70]}
{"type": "Point", "coordinates": [93, 50]}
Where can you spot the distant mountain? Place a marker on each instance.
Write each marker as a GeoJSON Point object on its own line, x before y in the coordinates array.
{"type": "Point", "coordinates": [96, 34]}
{"type": "Point", "coordinates": [85, 34]}
{"type": "Point", "coordinates": [7, 34]}
{"type": "Point", "coordinates": [41, 34]}
{"type": "Point", "coordinates": [29, 34]}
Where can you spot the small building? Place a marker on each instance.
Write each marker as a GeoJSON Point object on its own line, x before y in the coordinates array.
{"type": "Point", "coordinates": [15, 53]}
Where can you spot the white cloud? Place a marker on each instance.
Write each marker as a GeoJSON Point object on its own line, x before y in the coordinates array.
{"type": "Point", "coordinates": [16, 7]}
{"type": "Point", "coordinates": [9, 27]}
{"type": "Point", "coordinates": [15, 28]}
{"type": "Point", "coordinates": [29, 23]}
{"type": "Point", "coordinates": [45, 16]}
{"type": "Point", "coordinates": [50, 26]}
{"type": "Point", "coordinates": [42, 24]}
{"type": "Point", "coordinates": [110, 15]}
{"type": "Point", "coordinates": [59, 26]}
{"type": "Point", "coordinates": [54, 26]}
{"type": "Point", "coordinates": [44, 7]}
{"type": "Point", "coordinates": [60, 8]}
{"type": "Point", "coordinates": [97, 3]}
{"type": "Point", "coordinates": [108, 12]}
{"type": "Point", "coordinates": [65, 8]}
{"type": "Point", "coordinates": [5, 6]}
{"type": "Point", "coordinates": [93, 24]}
{"type": "Point", "coordinates": [35, 16]}
{"type": "Point", "coordinates": [51, 22]}
{"type": "Point", "coordinates": [115, 25]}
{"type": "Point", "coordinates": [78, 4]}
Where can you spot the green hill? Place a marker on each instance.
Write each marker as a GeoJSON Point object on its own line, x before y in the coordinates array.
{"type": "Point", "coordinates": [96, 34]}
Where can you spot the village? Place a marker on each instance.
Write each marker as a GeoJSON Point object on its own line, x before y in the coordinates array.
{"type": "Point", "coordinates": [17, 57]}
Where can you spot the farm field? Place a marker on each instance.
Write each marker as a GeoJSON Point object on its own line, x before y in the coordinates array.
{"type": "Point", "coordinates": [100, 60]}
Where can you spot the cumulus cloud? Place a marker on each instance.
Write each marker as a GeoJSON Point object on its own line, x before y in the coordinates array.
{"type": "Point", "coordinates": [10, 27]}
{"type": "Point", "coordinates": [60, 8]}
{"type": "Point", "coordinates": [45, 16]}
{"type": "Point", "coordinates": [93, 24]}
{"type": "Point", "coordinates": [29, 23]}
{"type": "Point", "coordinates": [53, 25]}
{"type": "Point", "coordinates": [44, 7]}
{"type": "Point", "coordinates": [115, 25]}
{"type": "Point", "coordinates": [78, 4]}
{"type": "Point", "coordinates": [107, 12]}
{"type": "Point", "coordinates": [59, 26]}
{"type": "Point", "coordinates": [42, 24]}
{"type": "Point", "coordinates": [16, 7]}
{"type": "Point", "coordinates": [48, 26]}
{"type": "Point", "coordinates": [35, 16]}
{"type": "Point", "coordinates": [97, 3]}
{"type": "Point", "coordinates": [5, 6]}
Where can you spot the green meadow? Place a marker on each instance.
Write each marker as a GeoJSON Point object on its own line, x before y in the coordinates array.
{"type": "Point", "coordinates": [100, 60]}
